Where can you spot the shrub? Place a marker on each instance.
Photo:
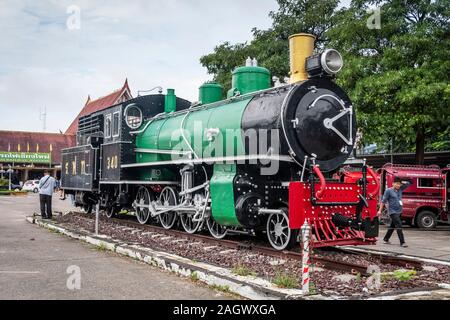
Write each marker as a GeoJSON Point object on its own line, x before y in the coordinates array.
{"type": "Point", "coordinates": [285, 281]}
{"type": "Point", "coordinates": [241, 270]}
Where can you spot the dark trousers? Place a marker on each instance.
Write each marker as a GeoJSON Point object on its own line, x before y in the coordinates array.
{"type": "Point", "coordinates": [396, 224]}
{"type": "Point", "coordinates": [46, 205]}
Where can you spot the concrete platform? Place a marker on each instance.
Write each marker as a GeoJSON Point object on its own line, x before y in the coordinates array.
{"type": "Point", "coordinates": [433, 244]}
{"type": "Point", "coordinates": [34, 264]}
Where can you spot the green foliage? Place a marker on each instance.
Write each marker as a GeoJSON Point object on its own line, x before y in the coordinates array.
{"type": "Point", "coordinates": [399, 275]}
{"type": "Point", "coordinates": [404, 275]}
{"type": "Point", "coordinates": [102, 247]}
{"type": "Point", "coordinates": [194, 276]}
{"type": "Point", "coordinates": [312, 288]}
{"type": "Point", "coordinates": [12, 193]}
{"type": "Point", "coordinates": [270, 47]}
{"type": "Point", "coordinates": [224, 60]}
{"type": "Point", "coordinates": [397, 76]}
{"type": "Point", "coordinates": [222, 288]}
{"type": "Point", "coordinates": [283, 280]}
{"type": "Point", "coordinates": [4, 182]}
{"type": "Point", "coordinates": [358, 277]}
{"type": "Point", "coordinates": [241, 270]}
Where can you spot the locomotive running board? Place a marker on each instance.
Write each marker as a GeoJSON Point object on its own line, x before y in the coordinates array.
{"type": "Point", "coordinates": [140, 182]}
{"type": "Point", "coordinates": [209, 160]}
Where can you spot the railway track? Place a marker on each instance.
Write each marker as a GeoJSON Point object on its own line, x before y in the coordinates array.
{"type": "Point", "coordinates": [316, 259]}
{"type": "Point", "coordinates": [237, 245]}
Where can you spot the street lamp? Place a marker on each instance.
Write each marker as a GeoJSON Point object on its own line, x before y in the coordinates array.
{"type": "Point", "coordinates": [9, 171]}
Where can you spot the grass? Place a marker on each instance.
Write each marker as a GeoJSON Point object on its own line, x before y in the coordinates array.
{"type": "Point", "coordinates": [399, 275]}
{"type": "Point", "coordinates": [241, 270]}
{"type": "Point", "coordinates": [222, 288]}
{"type": "Point", "coordinates": [404, 275]}
{"type": "Point", "coordinates": [102, 247]}
{"type": "Point", "coordinates": [312, 288]}
{"type": "Point", "coordinates": [194, 276]}
{"type": "Point", "coordinates": [287, 281]}
{"type": "Point", "coordinates": [12, 192]}
{"type": "Point", "coordinates": [358, 277]}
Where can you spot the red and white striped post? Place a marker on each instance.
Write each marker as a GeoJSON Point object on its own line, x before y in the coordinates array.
{"type": "Point", "coordinates": [306, 236]}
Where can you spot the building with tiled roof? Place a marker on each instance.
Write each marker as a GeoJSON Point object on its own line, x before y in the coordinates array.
{"type": "Point", "coordinates": [118, 96]}
{"type": "Point", "coordinates": [36, 142]}
{"type": "Point", "coordinates": [30, 153]}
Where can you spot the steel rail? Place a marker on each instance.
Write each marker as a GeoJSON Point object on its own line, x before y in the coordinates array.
{"type": "Point", "coordinates": [231, 244]}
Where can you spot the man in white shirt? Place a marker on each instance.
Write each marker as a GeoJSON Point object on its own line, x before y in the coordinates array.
{"type": "Point", "coordinates": [47, 185]}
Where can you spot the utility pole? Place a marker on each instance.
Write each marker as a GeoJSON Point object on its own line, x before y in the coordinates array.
{"type": "Point", "coordinates": [43, 118]}
{"type": "Point", "coordinates": [392, 152]}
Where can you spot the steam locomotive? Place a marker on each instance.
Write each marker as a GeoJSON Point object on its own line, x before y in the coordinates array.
{"type": "Point", "coordinates": [261, 161]}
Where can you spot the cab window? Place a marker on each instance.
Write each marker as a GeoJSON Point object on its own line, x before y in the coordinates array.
{"type": "Point", "coordinates": [428, 183]}
{"type": "Point", "coordinates": [115, 124]}
{"type": "Point", "coordinates": [107, 126]}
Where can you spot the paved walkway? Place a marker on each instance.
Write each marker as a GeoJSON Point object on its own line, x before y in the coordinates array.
{"type": "Point", "coordinates": [34, 264]}
{"type": "Point", "coordinates": [433, 244]}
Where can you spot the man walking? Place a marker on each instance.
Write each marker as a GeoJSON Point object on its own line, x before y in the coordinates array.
{"type": "Point", "coordinates": [393, 198]}
{"type": "Point", "coordinates": [46, 187]}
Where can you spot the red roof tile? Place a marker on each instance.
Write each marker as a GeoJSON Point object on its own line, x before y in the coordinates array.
{"type": "Point", "coordinates": [99, 104]}
{"type": "Point", "coordinates": [36, 142]}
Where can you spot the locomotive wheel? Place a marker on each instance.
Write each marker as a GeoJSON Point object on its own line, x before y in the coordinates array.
{"type": "Point", "coordinates": [216, 230]}
{"type": "Point", "coordinates": [187, 218]}
{"type": "Point", "coordinates": [280, 236]}
{"type": "Point", "coordinates": [143, 198]}
{"type": "Point", "coordinates": [112, 211]}
{"type": "Point", "coordinates": [188, 224]}
{"type": "Point", "coordinates": [87, 208]}
{"type": "Point", "coordinates": [168, 197]}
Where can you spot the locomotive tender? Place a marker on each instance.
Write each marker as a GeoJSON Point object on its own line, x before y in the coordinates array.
{"type": "Point", "coordinates": [259, 161]}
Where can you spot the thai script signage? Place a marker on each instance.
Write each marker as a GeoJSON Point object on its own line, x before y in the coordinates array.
{"type": "Point", "coordinates": [25, 157]}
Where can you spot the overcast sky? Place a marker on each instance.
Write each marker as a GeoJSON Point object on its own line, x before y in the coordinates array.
{"type": "Point", "coordinates": [156, 42]}
{"type": "Point", "coordinates": [48, 59]}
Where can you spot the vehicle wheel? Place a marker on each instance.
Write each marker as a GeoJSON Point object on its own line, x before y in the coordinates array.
{"type": "Point", "coordinates": [35, 190]}
{"type": "Point", "coordinates": [168, 197]}
{"type": "Point", "coordinates": [143, 198]}
{"type": "Point", "coordinates": [426, 220]}
{"type": "Point", "coordinates": [112, 212]}
{"type": "Point", "coordinates": [187, 218]}
{"type": "Point", "coordinates": [189, 225]}
{"type": "Point", "coordinates": [280, 236]}
{"type": "Point", "coordinates": [87, 208]}
{"type": "Point", "coordinates": [216, 230]}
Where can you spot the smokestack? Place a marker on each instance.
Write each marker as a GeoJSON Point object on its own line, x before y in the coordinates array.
{"type": "Point", "coordinates": [301, 46]}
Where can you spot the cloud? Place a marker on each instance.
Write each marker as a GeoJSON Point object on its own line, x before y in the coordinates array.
{"type": "Point", "coordinates": [159, 42]}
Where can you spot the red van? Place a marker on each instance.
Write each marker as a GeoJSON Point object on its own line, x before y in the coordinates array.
{"type": "Point", "coordinates": [426, 200]}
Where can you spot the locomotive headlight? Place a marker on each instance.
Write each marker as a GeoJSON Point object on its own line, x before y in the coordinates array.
{"type": "Point", "coordinates": [328, 63]}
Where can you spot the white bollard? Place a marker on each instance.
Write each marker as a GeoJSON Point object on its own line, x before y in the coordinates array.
{"type": "Point", "coordinates": [306, 236]}
{"type": "Point", "coordinates": [97, 213]}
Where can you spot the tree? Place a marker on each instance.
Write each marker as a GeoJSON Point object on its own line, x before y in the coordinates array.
{"type": "Point", "coordinates": [397, 75]}
{"type": "Point", "coordinates": [225, 58]}
{"type": "Point", "coordinates": [270, 47]}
